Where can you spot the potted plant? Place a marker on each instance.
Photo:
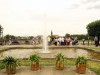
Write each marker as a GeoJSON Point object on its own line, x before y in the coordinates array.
{"type": "Point", "coordinates": [59, 61]}
{"type": "Point", "coordinates": [10, 64]}
{"type": "Point", "coordinates": [81, 64]}
{"type": "Point", "coordinates": [34, 58]}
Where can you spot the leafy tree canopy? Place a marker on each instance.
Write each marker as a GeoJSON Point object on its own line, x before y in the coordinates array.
{"type": "Point", "coordinates": [93, 28]}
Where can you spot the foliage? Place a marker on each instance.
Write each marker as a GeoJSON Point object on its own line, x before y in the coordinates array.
{"type": "Point", "coordinates": [10, 61]}
{"type": "Point", "coordinates": [52, 36]}
{"type": "Point", "coordinates": [81, 60]}
{"type": "Point", "coordinates": [34, 58]}
{"type": "Point", "coordinates": [30, 37]}
{"type": "Point", "coordinates": [67, 35]}
{"type": "Point", "coordinates": [60, 57]}
{"type": "Point", "coordinates": [79, 36]}
{"type": "Point", "coordinates": [1, 66]}
{"type": "Point", "coordinates": [9, 36]}
{"type": "Point", "coordinates": [0, 30]}
{"type": "Point", "coordinates": [93, 28]}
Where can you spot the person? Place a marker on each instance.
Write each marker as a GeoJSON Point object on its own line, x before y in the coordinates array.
{"type": "Point", "coordinates": [59, 40]}
{"type": "Point", "coordinates": [49, 40]}
{"type": "Point", "coordinates": [9, 41]}
{"type": "Point", "coordinates": [96, 41]}
{"type": "Point", "coordinates": [34, 41]}
{"type": "Point", "coordinates": [52, 40]}
{"type": "Point", "coordinates": [68, 41]}
{"type": "Point", "coordinates": [55, 41]}
{"type": "Point", "coordinates": [62, 41]}
{"type": "Point", "coordinates": [75, 40]}
{"type": "Point", "coordinates": [83, 41]}
{"type": "Point", "coordinates": [73, 43]}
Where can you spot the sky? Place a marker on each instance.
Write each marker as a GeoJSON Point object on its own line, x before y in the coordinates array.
{"type": "Point", "coordinates": [39, 17]}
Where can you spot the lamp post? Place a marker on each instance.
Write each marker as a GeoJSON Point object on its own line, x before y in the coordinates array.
{"type": "Point", "coordinates": [88, 40]}
{"type": "Point", "coordinates": [88, 36]}
{"type": "Point", "coordinates": [1, 34]}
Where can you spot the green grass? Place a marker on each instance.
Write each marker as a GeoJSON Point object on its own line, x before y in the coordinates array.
{"type": "Point", "coordinates": [42, 63]}
{"type": "Point", "coordinates": [90, 46]}
{"type": "Point", "coordinates": [94, 66]}
{"type": "Point", "coordinates": [86, 42]}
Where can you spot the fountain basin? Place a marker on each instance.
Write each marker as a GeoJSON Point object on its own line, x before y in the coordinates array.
{"type": "Point", "coordinates": [68, 52]}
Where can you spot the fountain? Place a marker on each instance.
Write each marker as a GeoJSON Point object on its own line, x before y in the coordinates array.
{"type": "Point", "coordinates": [45, 47]}
{"type": "Point", "coordinates": [45, 54]}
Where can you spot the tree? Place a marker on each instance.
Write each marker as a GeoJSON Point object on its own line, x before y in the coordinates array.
{"type": "Point", "coordinates": [80, 36]}
{"type": "Point", "coordinates": [0, 30]}
{"type": "Point", "coordinates": [9, 36]}
{"type": "Point", "coordinates": [30, 37]}
{"type": "Point", "coordinates": [93, 29]}
{"type": "Point", "coordinates": [67, 35]}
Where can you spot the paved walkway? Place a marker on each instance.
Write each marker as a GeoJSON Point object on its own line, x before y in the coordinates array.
{"type": "Point", "coordinates": [47, 70]}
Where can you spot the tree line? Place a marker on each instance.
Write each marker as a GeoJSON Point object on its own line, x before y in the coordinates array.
{"type": "Point", "coordinates": [80, 36]}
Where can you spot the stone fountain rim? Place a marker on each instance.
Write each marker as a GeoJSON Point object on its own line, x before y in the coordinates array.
{"type": "Point", "coordinates": [40, 47]}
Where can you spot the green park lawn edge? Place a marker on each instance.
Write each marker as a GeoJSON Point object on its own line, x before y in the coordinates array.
{"type": "Point", "coordinates": [94, 66]}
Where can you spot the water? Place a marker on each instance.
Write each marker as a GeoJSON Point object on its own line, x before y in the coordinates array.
{"type": "Point", "coordinates": [69, 53]}
{"type": "Point", "coordinates": [45, 45]}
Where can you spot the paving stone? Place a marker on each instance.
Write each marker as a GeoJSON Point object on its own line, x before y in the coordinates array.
{"type": "Point", "coordinates": [47, 70]}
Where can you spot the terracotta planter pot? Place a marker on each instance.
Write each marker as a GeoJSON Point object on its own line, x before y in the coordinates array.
{"type": "Point", "coordinates": [59, 66]}
{"type": "Point", "coordinates": [34, 66]}
{"type": "Point", "coordinates": [10, 71]}
{"type": "Point", "coordinates": [81, 68]}
{"type": "Point", "coordinates": [14, 70]}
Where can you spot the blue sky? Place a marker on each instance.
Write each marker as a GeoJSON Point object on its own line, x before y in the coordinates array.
{"type": "Point", "coordinates": [26, 17]}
